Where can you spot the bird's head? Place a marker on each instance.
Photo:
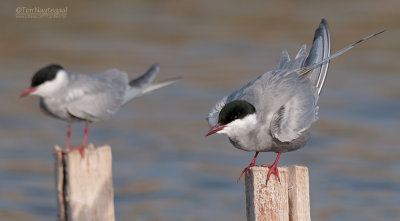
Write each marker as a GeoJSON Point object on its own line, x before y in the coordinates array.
{"type": "Point", "coordinates": [46, 81]}
{"type": "Point", "coordinates": [236, 115]}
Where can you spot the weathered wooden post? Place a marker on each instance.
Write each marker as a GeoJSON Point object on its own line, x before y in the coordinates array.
{"type": "Point", "coordinates": [84, 185]}
{"type": "Point", "coordinates": [285, 201]}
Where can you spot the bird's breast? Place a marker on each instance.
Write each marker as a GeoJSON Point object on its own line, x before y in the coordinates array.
{"type": "Point", "coordinates": [253, 140]}
{"type": "Point", "coordinates": [55, 108]}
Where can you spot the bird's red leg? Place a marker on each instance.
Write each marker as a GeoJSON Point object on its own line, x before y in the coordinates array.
{"type": "Point", "coordinates": [82, 148]}
{"type": "Point", "coordinates": [68, 136]}
{"type": "Point", "coordinates": [68, 141]}
{"type": "Point", "coordinates": [252, 164]}
{"type": "Point", "coordinates": [86, 135]}
{"type": "Point", "coordinates": [273, 168]}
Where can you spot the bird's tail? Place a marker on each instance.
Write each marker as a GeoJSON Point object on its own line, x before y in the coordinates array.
{"type": "Point", "coordinates": [161, 84]}
{"type": "Point", "coordinates": [143, 84]}
{"type": "Point", "coordinates": [145, 79]}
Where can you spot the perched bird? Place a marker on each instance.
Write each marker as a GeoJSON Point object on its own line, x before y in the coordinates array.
{"type": "Point", "coordinates": [273, 112]}
{"type": "Point", "coordinates": [89, 98]}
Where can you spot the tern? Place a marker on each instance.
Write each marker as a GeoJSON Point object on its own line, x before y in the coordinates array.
{"type": "Point", "coordinates": [74, 97]}
{"type": "Point", "coordinates": [273, 112]}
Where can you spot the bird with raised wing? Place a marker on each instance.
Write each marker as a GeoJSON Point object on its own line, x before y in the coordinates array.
{"type": "Point", "coordinates": [274, 112]}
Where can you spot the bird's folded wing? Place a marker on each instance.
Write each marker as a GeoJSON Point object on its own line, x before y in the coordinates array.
{"type": "Point", "coordinates": [96, 97]}
{"type": "Point", "coordinates": [296, 116]}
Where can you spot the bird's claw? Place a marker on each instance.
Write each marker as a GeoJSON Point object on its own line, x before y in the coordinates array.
{"type": "Point", "coordinates": [81, 150]}
{"type": "Point", "coordinates": [60, 151]}
{"type": "Point", "coordinates": [272, 169]}
{"type": "Point", "coordinates": [246, 170]}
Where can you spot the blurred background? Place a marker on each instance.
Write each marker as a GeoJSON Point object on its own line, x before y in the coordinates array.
{"type": "Point", "coordinates": [164, 168]}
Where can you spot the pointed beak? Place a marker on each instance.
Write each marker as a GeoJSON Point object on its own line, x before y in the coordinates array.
{"type": "Point", "coordinates": [215, 129]}
{"type": "Point", "coordinates": [26, 92]}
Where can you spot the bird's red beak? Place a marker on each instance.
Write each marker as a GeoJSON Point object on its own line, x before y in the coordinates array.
{"type": "Point", "coordinates": [215, 129]}
{"type": "Point", "coordinates": [28, 91]}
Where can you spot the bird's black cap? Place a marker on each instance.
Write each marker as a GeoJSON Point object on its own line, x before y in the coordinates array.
{"type": "Point", "coordinates": [235, 110]}
{"type": "Point", "coordinates": [47, 73]}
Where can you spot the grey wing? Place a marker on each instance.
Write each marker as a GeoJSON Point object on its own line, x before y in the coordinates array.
{"type": "Point", "coordinates": [297, 115]}
{"type": "Point", "coordinates": [139, 85]}
{"type": "Point", "coordinates": [266, 93]}
{"type": "Point", "coordinates": [212, 117]}
{"type": "Point", "coordinates": [306, 69]}
{"type": "Point", "coordinates": [286, 64]}
{"type": "Point", "coordinates": [245, 93]}
{"type": "Point", "coordinates": [96, 97]}
{"type": "Point", "coordinates": [320, 50]}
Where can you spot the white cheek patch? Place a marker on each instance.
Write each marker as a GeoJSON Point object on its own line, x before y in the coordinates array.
{"type": "Point", "coordinates": [49, 87]}
{"type": "Point", "coordinates": [240, 125]}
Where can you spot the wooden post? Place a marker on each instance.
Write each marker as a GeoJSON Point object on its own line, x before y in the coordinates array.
{"type": "Point", "coordinates": [84, 185]}
{"type": "Point", "coordinates": [299, 195]}
{"type": "Point", "coordinates": [285, 201]}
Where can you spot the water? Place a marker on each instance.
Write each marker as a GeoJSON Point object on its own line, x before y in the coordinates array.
{"type": "Point", "coordinates": [163, 166]}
